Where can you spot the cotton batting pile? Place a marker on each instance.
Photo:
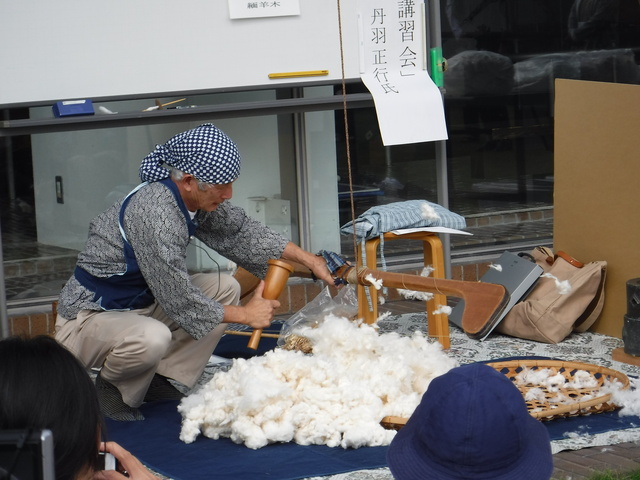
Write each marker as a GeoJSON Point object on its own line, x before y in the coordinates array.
{"type": "Point", "coordinates": [335, 396]}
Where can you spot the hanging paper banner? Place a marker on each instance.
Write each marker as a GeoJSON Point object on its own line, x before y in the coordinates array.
{"type": "Point", "coordinates": [393, 67]}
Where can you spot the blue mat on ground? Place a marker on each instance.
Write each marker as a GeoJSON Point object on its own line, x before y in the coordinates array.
{"type": "Point", "coordinates": [590, 424]}
{"type": "Point", "coordinates": [155, 441]}
{"type": "Point", "coordinates": [235, 346]}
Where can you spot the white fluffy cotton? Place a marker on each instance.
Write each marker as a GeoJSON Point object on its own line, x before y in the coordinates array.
{"type": "Point", "coordinates": [581, 387]}
{"type": "Point", "coordinates": [428, 212]}
{"type": "Point", "coordinates": [562, 286]}
{"type": "Point", "coordinates": [414, 294]}
{"type": "Point", "coordinates": [532, 376]}
{"type": "Point", "coordinates": [628, 399]}
{"type": "Point", "coordinates": [535, 394]}
{"type": "Point", "coordinates": [337, 396]}
{"type": "Point", "coordinates": [555, 382]}
{"type": "Point", "coordinates": [582, 379]}
{"type": "Point", "coordinates": [375, 282]}
{"type": "Point", "coordinates": [427, 271]}
{"type": "Point", "coordinates": [443, 309]}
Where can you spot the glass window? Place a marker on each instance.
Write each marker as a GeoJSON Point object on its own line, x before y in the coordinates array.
{"type": "Point", "coordinates": [503, 57]}
{"type": "Point", "coordinates": [60, 181]}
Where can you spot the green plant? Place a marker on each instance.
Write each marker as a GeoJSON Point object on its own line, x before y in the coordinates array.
{"type": "Point", "coordinates": [610, 475]}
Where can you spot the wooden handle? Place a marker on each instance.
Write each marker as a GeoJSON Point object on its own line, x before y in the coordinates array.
{"type": "Point", "coordinates": [255, 339]}
{"type": "Point", "coordinates": [248, 334]}
{"type": "Point", "coordinates": [275, 281]}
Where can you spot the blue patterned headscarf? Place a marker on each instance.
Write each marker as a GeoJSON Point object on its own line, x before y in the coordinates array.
{"type": "Point", "coordinates": [205, 152]}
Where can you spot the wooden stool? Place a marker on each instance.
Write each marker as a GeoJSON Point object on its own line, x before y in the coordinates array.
{"type": "Point", "coordinates": [437, 324]}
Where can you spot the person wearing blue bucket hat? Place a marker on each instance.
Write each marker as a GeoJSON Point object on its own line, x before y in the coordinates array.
{"type": "Point", "coordinates": [132, 308]}
{"type": "Point", "coordinates": [472, 423]}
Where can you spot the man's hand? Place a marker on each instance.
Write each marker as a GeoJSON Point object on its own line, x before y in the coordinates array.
{"type": "Point", "coordinates": [313, 262]}
{"type": "Point", "coordinates": [257, 313]}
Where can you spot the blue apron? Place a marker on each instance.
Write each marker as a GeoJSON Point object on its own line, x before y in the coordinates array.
{"type": "Point", "coordinates": [128, 290]}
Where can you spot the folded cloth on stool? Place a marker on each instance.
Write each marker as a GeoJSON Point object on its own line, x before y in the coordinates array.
{"type": "Point", "coordinates": [395, 216]}
{"type": "Point", "coordinates": [380, 219]}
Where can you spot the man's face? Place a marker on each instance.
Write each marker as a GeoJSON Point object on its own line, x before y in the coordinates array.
{"type": "Point", "coordinates": [203, 196]}
{"type": "Point", "coordinates": [210, 196]}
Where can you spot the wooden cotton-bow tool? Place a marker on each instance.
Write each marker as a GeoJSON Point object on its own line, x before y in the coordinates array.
{"type": "Point", "coordinates": [484, 302]}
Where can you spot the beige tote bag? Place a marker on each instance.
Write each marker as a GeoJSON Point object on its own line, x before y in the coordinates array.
{"type": "Point", "coordinates": [549, 316]}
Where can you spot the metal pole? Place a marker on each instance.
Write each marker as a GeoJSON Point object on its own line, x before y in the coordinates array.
{"type": "Point", "coordinates": [302, 175]}
{"type": "Point", "coordinates": [434, 42]}
{"type": "Point", "coordinates": [4, 317]}
{"type": "Point", "coordinates": [8, 149]}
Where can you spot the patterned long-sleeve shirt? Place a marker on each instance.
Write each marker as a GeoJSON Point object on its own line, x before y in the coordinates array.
{"type": "Point", "coordinates": [157, 230]}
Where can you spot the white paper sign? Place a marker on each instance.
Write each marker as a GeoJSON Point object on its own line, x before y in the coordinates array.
{"type": "Point", "coordinates": [393, 67]}
{"type": "Point", "coordinates": [271, 8]}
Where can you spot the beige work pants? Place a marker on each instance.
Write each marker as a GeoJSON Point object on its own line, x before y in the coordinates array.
{"type": "Point", "coordinates": [130, 347]}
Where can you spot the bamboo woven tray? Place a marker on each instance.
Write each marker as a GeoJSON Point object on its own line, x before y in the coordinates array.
{"type": "Point", "coordinates": [543, 407]}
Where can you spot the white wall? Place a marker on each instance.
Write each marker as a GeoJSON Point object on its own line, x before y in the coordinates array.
{"type": "Point", "coordinates": [101, 49]}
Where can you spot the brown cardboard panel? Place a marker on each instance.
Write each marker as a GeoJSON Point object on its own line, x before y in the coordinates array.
{"type": "Point", "coordinates": [597, 180]}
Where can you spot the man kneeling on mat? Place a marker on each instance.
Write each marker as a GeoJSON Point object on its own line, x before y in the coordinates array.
{"type": "Point", "coordinates": [131, 307]}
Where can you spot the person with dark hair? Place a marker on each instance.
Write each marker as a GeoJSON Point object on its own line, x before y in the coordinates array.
{"type": "Point", "coordinates": [472, 423]}
{"type": "Point", "coordinates": [44, 386]}
{"type": "Point", "coordinates": [133, 309]}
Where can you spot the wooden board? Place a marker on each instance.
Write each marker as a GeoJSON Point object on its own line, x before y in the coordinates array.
{"type": "Point", "coordinates": [597, 177]}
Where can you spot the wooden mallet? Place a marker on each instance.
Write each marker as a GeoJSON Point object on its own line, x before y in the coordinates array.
{"type": "Point", "coordinates": [275, 281]}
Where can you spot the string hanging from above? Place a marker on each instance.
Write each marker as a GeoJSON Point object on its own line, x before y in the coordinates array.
{"type": "Point", "coordinates": [346, 135]}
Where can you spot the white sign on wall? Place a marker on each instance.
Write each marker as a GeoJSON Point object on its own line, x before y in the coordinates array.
{"type": "Point", "coordinates": [393, 63]}
{"type": "Point", "coordinates": [265, 8]}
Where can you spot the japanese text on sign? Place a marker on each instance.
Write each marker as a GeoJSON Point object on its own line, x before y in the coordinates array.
{"type": "Point", "coordinates": [408, 103]}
